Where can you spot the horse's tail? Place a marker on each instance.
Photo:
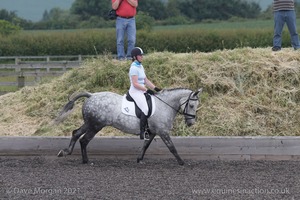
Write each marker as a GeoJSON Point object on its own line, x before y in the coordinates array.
{"type": "Point", "coordinates": [67, 109]}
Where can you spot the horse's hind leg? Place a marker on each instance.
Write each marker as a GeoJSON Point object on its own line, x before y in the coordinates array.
{"type": "Point", "coordinates": [145, 147]}
{"type": "Point", "coordinates": [84, 141]}
{"type": "Point", "coordinates": [75, 136]}
{"type": "Point", "coordinates": [167, 140]}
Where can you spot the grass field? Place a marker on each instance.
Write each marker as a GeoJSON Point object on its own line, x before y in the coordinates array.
{"type": "Point", "coordinates": [213, 25]}
{"type": "Point", "coordinates": [248, 24]}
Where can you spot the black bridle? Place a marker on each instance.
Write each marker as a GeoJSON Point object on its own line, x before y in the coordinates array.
{"type": "Point", "coordinates": [185, 107]}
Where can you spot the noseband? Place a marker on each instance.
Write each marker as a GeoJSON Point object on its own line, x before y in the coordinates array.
{"type": "Point", "coordinates": [185, 107]}
{"type": "Point", "coordinates": [190, 116]}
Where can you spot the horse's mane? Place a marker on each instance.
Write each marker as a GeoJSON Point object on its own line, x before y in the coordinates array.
{"type": "Point", "coordinates": [172, 89]}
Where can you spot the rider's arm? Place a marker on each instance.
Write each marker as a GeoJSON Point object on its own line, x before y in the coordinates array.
{"type": "Point", "coordinates": [149, 84]}
{"type": "Point", "coordinates": [135, 83]}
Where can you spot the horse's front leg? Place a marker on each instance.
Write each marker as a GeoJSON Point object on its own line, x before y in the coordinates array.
{"type": "Point", "coordinates": [145, 147]}
{"type": "Point", "coordinates": [167, 140]}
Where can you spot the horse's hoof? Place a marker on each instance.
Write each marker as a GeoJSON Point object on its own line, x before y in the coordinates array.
{"type": "Point", "coordinates": [181, 163]}
{"type": "Point", "coordinates": [60, 153]}
{"type": "Point", "coordinates": [85, 161]}
{"type": "Point", "coordinates": [142, 163]}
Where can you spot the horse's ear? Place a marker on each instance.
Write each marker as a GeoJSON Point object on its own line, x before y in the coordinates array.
{"type": "Point", "coordinates": [198, 92]}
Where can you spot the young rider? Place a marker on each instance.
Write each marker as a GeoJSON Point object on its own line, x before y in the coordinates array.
{"type": "Point", "coordinates": [139, 84]}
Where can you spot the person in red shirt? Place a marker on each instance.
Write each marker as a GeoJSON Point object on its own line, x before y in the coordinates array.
{"type": "Point", "coordinates": [125, 25]}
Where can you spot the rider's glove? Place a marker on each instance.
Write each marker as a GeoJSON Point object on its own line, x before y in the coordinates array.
{"type": "Point", "coordinates": [157, 89]}
{"type": "Point", "coordinates": [150, 92]}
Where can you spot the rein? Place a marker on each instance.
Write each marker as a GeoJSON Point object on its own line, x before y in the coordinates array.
{"type": "Point", "coordinates": [185, 108]}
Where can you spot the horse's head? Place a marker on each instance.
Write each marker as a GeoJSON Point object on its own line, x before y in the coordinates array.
{"type": "Point", "coordinates": [189, 106]}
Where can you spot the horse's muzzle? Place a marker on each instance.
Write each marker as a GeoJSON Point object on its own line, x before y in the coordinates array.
{"type": "Point", "coordinates": [190, 122]}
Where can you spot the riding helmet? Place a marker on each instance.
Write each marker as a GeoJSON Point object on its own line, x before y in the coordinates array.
{"type": "Point", "coordinates": [136, 51]}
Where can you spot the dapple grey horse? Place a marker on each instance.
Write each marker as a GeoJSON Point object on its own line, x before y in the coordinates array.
{"type": "Point", "coordinates": [104, 109]}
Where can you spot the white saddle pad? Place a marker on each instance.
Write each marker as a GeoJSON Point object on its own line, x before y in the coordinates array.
{"type": "Point", "coordinates": [128, 107]}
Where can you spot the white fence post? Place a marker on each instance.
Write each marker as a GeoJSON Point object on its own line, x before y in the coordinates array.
{"type": "Point", "coordinates": [21, 81]}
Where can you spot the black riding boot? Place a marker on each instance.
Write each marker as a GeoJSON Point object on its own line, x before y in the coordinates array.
{"type": "Point", "coordinates": [143, 124]}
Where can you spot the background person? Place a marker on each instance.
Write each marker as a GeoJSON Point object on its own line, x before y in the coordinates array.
{"type": "Point", "coordinates": [284, 12]}
{"type": "Point", "coordinates": [125, 24]}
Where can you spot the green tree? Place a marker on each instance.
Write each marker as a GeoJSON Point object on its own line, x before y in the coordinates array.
{"type": "Point", "coordinates": [172, 8]}
{"type": "Point", "coordinates": [218, 9]}
{"type": "Point", "coordinates": [58, 18]}
{"type": "Point", "coordinates": [8, 16]}
{"type": "Point", "coordinates": [155, 8]}
{"type": "Point", "coordinates": [6, 28]}
{"type": "Point", "coordinates": [14, 19]}
{"type": "Point", "coordinates": [144, 21]}
{"type": "Point", "coordinates": [46, 16]}
{"type": "Point", "coordinates": [88, 8]}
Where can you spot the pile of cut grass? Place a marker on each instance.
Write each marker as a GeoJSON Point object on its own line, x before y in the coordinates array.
{"type": "Point", "coordinates": [247, 92]}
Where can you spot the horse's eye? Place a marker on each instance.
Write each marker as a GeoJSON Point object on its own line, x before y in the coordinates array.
{"type": "Point", "coordinates": [191, 106]}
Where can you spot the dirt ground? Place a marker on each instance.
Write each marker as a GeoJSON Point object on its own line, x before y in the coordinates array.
{"type": "Point", "coordinates": [50, 177]}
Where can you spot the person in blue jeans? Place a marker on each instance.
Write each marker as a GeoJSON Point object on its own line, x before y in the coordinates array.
{"type": "Point", "coordinates": [125, 25]}
{"type": "Point", "coordinates": [284, 12]}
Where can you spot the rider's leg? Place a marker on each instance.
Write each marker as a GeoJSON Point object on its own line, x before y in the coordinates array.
{"type": "Point", "coordinates": [143, 124]}
{"type": "Point", "coordinates": [140, 100]}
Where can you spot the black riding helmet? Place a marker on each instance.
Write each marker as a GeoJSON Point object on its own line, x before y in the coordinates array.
{"type": "Point", "coordinates": [136, 51]}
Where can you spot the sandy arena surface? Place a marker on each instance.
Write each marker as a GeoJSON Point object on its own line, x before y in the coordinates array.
{"type": "Point", "coordinates": [50, 177]}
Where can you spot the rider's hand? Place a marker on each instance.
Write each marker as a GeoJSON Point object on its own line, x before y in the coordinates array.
{"type": "Point", "coordinates": [150, 92]}
{"type": "Point", "coordinates": [157, 89]}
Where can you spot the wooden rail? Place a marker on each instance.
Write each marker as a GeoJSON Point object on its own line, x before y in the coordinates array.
{"type": "Point", "coordinates": [197, 148]}
{"type": "Point", "coordinates": [22, 67]}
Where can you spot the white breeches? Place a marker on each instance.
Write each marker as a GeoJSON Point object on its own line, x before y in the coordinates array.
{"type": "Point", "coordinates": [139, 99]}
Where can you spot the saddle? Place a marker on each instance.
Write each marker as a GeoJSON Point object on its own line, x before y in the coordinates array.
{"type": "Point", "coordinates": [129, 107]}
